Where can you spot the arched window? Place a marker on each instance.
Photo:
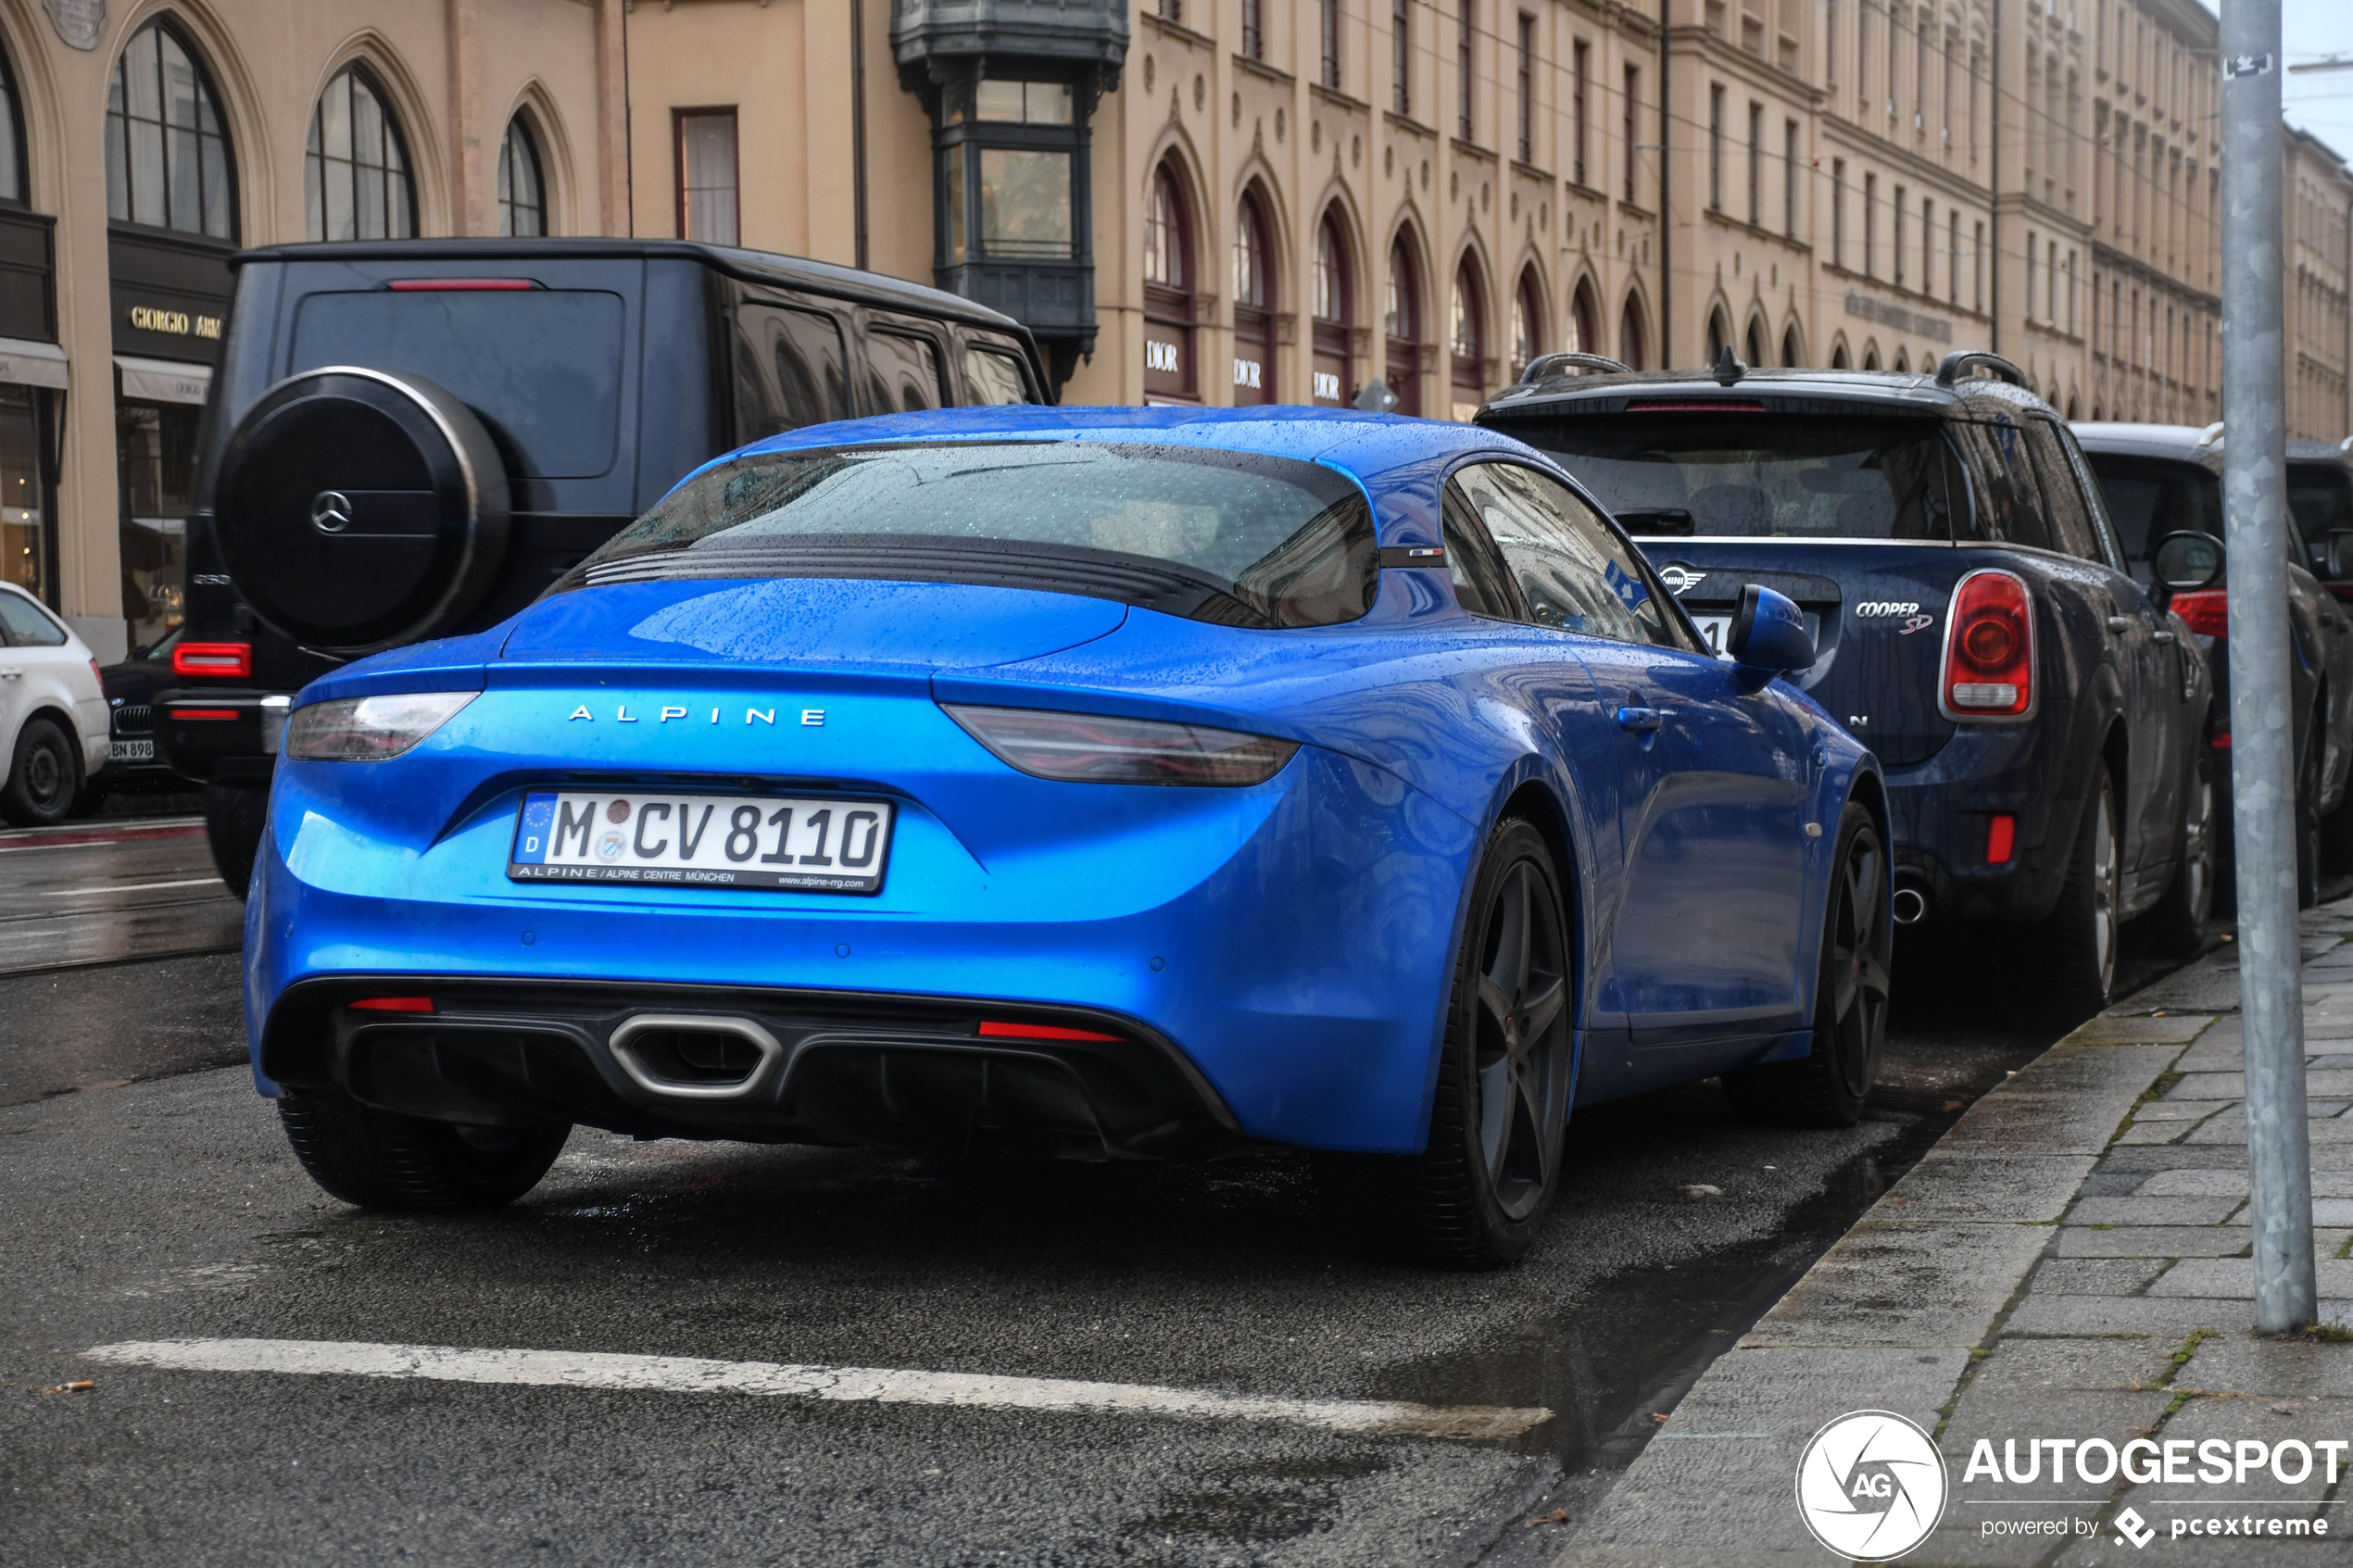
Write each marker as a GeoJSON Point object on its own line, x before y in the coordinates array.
{"type": "Point", "coordinates": [1870, 357]}
{"type": "Point", "coordinates": [1631, 339]}
{"type": "Point", "coordinates": [2072, 405]}
{"type": "Point", "coordinates": [1527, 323]}
{"type": "Point", "coordinates": [356, 172]}
{"type": "Point", "coordinates": [1402, 320]}
{"type": "Point", "coordinates": [167, 154]}
{"type": "Point", "coordinates": [1755, 354]}
{"type": "Point", "coordinates": [522, 190]}
{"type": "Point", "coordinates": [12, 180]}
{"type": "Point", "coordinates": [1168, 289]}
{"type": "Point", "coordinates": [1903, 363]}
{"type": "Point", "coordinates": [1468, 341]}
{"type": "Point", "coordinates": [1720, 334]}
{"type": "Point", "coordinates": [1584, 328]}
{"type": "Point", "coordinates": [1334, 384]}
{"type": "Point", "coordinates": [1789, 346]}
{"type": "Point", "coordinates": [1838, 357]}
{"type": "Point", "coordinates": [1254, 304]}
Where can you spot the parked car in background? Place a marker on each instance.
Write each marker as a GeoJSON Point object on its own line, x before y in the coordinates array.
{"type": "Point", "coordinates": [2320, 498]}
{"type": "Point", "coordinates": [2167, 478]}
{"type": "Point", "coordinates": [53, 721]}
{"type": "Point", "coordinates": [413, 439]}
{"type": "Point", "coordinates": [2041, 723]}
{"type": "Point", "coordinates": [132, 766]}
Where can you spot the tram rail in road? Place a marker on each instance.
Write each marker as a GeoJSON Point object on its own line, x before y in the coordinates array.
{"type": "Point", "coordinates": [103, 893]}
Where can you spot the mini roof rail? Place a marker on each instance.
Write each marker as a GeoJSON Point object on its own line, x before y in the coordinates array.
{"type": "Point", "coordinates": [2211, 435]}
{"type": "Point", "coordinates": [1546, 364]}
{"type": "Point", "coordinates": [1963, 362]}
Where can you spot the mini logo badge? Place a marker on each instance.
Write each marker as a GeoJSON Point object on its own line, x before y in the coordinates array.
{"type": "Point", "coordinates": [331, 511]}
{"type": "Point", "coordinates": [2132, 1530]}
{"type": "Point", "coordinates": [1680, 578]}
{"type": "Point", "coordinates": [1871, 1484]}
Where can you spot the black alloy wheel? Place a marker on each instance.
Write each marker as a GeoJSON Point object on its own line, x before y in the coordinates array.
{"type": "Point", "coordinates": [1829, 1085]}
{"type": "Point", "coordinates": [45, 776]}
{"type": "Point", "coordinates": [1478, 1194]}
{"type": "Point", "coordinates": [2074, 948]}
{"type": "Point", "coordinates": [2178, 923]}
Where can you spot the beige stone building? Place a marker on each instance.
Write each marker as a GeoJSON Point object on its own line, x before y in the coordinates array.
{"type": "Point", "coordinates": [144, 142]}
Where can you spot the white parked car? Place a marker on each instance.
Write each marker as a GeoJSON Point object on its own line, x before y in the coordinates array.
{"type": "Point", "coordinates": [52, 712]}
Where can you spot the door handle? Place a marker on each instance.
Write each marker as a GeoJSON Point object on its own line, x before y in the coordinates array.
{"type": "Point", "coordinates": [1641, 719]}
{"type": "Point", "coordinates": [2162, 639]}
{"type": "Point", "coordinates": [10, 675]}
{"type": "Point", "coordinates": [2120, 624]}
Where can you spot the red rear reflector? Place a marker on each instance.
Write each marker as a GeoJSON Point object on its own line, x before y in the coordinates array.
{"type": "Point", "coordinates": [1707, 406]}
{"type": "Point", "coordinates": [393, 1004]}
{"type": "Point", "coordinates": [2207, 610]}
{"type": "Point", "coordinates": [2001, 837]}
{"type": "Point", "coordinates": [203, 712]}
{"type": "Point", "coordinates": [1989, 649]}
{"type": "Point", "coordinates": [2222, 739]}
{"type": "Point", "coordinates": [233, 661]}
{"type": "Point", "coordinates": [458, 285]}
{"type": "Point", "coordinates": [1039, 1032]}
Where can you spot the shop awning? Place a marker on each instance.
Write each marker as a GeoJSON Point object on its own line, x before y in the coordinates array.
{"type": "Point", "coordinates": [26, 363]}
{"type": "Point", "coordinates": [163, 380]}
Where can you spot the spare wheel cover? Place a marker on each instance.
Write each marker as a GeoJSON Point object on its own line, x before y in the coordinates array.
{"type": "Point", "coordinates": [359, 509]}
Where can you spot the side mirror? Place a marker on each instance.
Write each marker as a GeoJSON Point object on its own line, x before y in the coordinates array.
{"type": "Point", "coordinates": [2338, 551]}
{"type": "Point", "coordinates": [2186, 561]}
{"type": "Point", "coordinates": [1767, 635]}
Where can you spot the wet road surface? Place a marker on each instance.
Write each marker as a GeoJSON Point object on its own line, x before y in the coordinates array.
{"type": "Point", "coordinates": [103, 892]}
{"type": "Point", "coordinates": [166, 1208]}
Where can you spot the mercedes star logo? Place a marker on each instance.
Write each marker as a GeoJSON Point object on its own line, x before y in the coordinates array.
{"type": "Point", "coordinates": [331, 511]}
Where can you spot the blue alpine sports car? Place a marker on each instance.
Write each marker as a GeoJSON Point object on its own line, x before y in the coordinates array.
{"type": "Point", "coordinates": [1114, 783]}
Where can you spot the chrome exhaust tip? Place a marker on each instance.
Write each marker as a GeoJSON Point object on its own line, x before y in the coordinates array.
{"type": "Point", "coordinates": [1910, 906]}
{"type": "Point", "coordinates": [696, 1056]}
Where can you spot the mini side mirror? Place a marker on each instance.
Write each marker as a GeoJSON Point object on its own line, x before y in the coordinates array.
{"type": "Point", "coordinates": [2185, 562]}
{"type": "Point", "coordinates": [1767, 635]}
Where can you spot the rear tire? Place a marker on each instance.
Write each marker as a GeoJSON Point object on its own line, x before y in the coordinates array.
{"type": "Point", "coordinates": [45, 776]}
{"type": "Point", "coordinates": [1828, 1086]}
{"type": "Point", "coordinates": [376, 1160]}
{"type": "Point", "coordinates": [1478, 1194]}
{"type": "Point", "coordinates": [233, 823]}
{"type": "Point", "coordinates": [2074, 948]}
{"type": "Point", "coordinates": [2178, 923]}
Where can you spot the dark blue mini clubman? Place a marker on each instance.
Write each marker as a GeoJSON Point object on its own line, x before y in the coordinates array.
{"type": "Point", "coordinates": [1115, 783]}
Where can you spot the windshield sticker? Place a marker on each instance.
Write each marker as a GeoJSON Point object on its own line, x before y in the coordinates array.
{"type": "Point", "coordinates": [1630, 590]}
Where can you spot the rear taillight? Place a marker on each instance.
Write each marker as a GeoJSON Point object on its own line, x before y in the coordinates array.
{"type": "Point", "coordinates": [1090, 749]}
{"type": "Point", "coordinates": [2205, 610]}
{"type": "Point", "coordinates": [232, 661]}
{"type": "Point", "coordinates": [1989, 650]}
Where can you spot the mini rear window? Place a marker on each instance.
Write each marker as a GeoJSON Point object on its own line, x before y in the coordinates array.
{"type": "Point", "coordinates": [1680, 473]}
{"type": "Point", "coordinates": [1224, 537]}
{"type": "Point", "coordinates": [541, 366]}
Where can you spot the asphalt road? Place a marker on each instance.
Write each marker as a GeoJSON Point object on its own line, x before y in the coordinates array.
{"type": "Point", "coordinates": [146, 1195]}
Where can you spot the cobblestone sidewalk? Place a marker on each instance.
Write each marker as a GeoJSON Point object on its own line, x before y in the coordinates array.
{"type": "Point", "coordinates": [2070, 1261]}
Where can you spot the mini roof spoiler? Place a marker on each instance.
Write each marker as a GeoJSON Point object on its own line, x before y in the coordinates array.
{"type": "Point", "coordinates": [1546, 364]}
{"type": "Point", "coordinates": [1964, 362]}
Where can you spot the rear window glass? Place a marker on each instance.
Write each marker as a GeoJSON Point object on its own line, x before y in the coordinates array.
{"type": "Point", "coordinates": [2149, 497]}
{"type": "Point", "coordinates": [2320, 500]}
{"type": "Point", "coordinates": [1224, 537]}
{"type": "Point", "coordinates": [541, 366]}
{"type": "Point", "coordinates": [28, 627]}
{"type": "Point", "coordinates": [1756, 475]}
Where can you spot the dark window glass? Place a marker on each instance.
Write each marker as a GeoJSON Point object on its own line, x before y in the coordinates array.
{"type": "Point", "coordinates": [1483, 582]}
{"type": "Point", "coordinates": [1223, 536]}
{"type": "Point", "coordinates": [1574, 574]}
{"type": "Point", "coordinates": [993, 378]}
{"type": "Point", "coordinates": [355, 179]}
{"type": "Point", "coordinates": [167, 156]}
{"type": "Point", "coordinates": [523, 194]}
{"type": "Point", "coordinates": [26, 626]}
{"type": "Point", "coordinates": [2320, 500]}
{"type": "Point", "coordinates": [902, 374]}
{"type": "Point", "coordinates": [2012, 513]}
{"type": "Point", "coordinates": [2149, 497]}
{"type": "Point", "coordinates": [2062, 500]}
{"type": "Point", "coordinates": [542, 367]}
{"type": "Point", "coordinates": [1756, 474]}
{"type": "Point", "coordinates": [788, 369]}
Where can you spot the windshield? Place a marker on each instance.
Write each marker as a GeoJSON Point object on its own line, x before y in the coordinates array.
{"type": "Point", "coordinates": [1756, 474]}
{"type": "Point", "coordinates": [1225, 537]}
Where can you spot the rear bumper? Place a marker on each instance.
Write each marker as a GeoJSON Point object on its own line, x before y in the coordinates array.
{"type": "Point", "coordinates": [1941, 811]}
{"type": "Point", "coordinates": [215, 735]}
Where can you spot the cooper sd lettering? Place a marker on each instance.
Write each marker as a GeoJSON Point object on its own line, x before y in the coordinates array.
{"type": "Point", "coordinates": [1885, 609]}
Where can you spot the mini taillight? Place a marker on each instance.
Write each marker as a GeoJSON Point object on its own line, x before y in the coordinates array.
{"type": "Point", "coordinates": [2205, 610]}
{"type": "Point", "coordinates": [459, 285]}
{"type": "Point", "coordinates": [994, 1030]}
{"type": "Point", "coordinates": [393, 1004]}
{"type": "Point", "coordinates": [2001, 838]}
{"type": "Point", "coordinates": [1989, 649]}
{"type": "Point", "coordinates": [230, 661]}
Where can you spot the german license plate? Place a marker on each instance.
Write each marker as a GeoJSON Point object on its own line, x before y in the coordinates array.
{"type": "Point", "coordinates": [669, 840]}
{"type": "Point", "coordinates": [130, 751]}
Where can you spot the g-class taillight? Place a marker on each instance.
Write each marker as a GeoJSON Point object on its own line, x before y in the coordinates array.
{"type": "Point", "coordinates": [1989, 650]}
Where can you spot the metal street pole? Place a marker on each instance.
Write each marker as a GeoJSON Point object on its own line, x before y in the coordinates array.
{"type": "Point", "coordinates": [2262, 759]}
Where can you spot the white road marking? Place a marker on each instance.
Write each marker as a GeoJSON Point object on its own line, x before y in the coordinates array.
{"type": "Point", "coordinates": [128, 888]}
{"type": "Point", "coordinates": [682, 1374]}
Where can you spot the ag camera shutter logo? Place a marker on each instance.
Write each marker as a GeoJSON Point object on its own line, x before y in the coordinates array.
{"type": "Point", "coordinates": [1871, 1484]}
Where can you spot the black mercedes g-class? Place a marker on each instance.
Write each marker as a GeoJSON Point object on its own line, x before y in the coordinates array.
{"type": "Point", "coordinates": [411, 439]}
